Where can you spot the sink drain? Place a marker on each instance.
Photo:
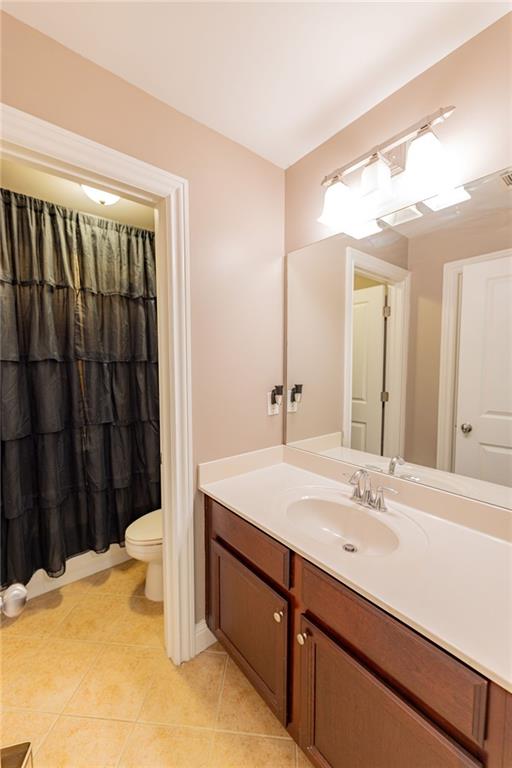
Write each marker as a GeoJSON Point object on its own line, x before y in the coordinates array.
{"type": "Point", "coordinates": [350, 548]}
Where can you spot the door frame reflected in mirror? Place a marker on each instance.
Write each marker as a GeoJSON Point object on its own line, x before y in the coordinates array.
{"type": "Point", "coordinates": [398, 280]}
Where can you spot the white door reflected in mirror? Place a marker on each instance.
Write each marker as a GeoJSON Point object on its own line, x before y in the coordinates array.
{"type": "Point", "coordinates": [483, 441]}
{"type": "Point", "coordinates": [368, 331]}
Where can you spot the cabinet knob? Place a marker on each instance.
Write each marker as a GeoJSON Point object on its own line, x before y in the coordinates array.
{"type": "Point", "coordinates": [302, 637]}
{"type": "Point", "coordinates": [278, 615]}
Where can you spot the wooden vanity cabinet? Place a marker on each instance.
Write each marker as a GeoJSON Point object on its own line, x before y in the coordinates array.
{"type": "Point", "coordinates": [351, 719]}
{"type": "Point", "coordinates": [355, 687]}
{"type": "Point", "coordinates": [251, 620]}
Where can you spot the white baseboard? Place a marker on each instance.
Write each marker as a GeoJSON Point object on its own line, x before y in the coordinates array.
{"type": "Point", "coordinates": [77, 568]}
{"type": "Point", "coordinates": [204, 638]}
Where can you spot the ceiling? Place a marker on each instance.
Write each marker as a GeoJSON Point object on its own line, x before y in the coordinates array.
{"type": "Point", "coordinates": [279, 78]}
{"type": "Point", "coordinates": [54, 189]}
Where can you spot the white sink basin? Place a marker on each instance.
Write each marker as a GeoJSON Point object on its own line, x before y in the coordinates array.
{"type": "Point", "coordinates": [348, 527]}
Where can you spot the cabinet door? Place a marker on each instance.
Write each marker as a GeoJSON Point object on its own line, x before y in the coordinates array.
{"type": "Point", "coordinates": [251, 620]}
{"type": "Point", "coordinates": [350, 719]}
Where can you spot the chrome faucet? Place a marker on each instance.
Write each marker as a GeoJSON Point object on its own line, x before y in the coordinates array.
{"type": "Point", "coordinates": [363, 493]}
{"type": "Point", "coordinates": [358, 480]}
{"type": "Point", "coordinates": [393, 462]}
{"type": "Point", "coordinates": [378, 499]}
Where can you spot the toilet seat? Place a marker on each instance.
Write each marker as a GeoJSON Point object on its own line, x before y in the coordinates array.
{"type": "Point", "coordinates": [146, 531]}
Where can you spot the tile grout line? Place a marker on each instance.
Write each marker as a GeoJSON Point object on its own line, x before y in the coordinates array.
{"type": "Point", "coordinates": [217, 713]}
{"type": "Point", "coordinates": [93, 662]}
{"type": "Point", "coordinates": [45, 737]}
{"type": "Point", "coordinates": [125, 745]}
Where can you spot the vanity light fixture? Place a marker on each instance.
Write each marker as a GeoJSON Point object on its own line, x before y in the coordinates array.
{"type": "Point", "coordinates": [448, 198]}
{"type": "Point", "coordinates": [338, 200]}
{"type": "Point", "coordinates": [356, 212]}
{"type": "Point", "coordinates": [362, 229]}
{"type": "Point", "coordinates": [376, 177]}
{"type": "Point", "coordinates": [100, 196]}
{"type": "Point", "coordinates": [404, 136]}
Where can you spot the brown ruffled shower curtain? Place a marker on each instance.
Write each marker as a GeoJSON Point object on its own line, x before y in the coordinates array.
{"type": "Point", "coordinates": [80, 454]}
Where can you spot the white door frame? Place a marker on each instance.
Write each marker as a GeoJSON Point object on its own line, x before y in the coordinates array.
{"type": "Point", "coordinates": [450, 320]}
{"type": "Point", "coordinates": [49, 148]}
{"type": "Point", "coordinates": [399, 280]}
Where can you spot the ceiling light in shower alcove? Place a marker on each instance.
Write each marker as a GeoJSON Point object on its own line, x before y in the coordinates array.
{"type": "Point", "coordinates": [99, 196]}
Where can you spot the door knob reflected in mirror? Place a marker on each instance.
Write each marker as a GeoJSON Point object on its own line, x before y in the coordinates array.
{"type": "Point", "coordinates": [466, 428]}
{"type": "Point", "coordinates": [302, 637]}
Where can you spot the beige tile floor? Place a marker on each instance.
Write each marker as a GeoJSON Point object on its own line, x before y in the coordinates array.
{"type": "Point", "coordinates": [85, 678]}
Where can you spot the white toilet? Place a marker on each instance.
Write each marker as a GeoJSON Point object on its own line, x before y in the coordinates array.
{"type": "Point", "coordinates": [143, 540]}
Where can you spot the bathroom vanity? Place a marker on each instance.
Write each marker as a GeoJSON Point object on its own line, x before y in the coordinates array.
{"type": "Point", "coordinates": [354, 685]}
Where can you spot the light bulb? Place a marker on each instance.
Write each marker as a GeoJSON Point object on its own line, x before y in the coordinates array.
{"type": "Point", "coordinates": [428, 170]}
{"type": "Point", "coordinates": [376, 177]}
{"type": "Point", "coordinates": [99, 196]}
{"type": "Point", "coordinates": [338, 200]}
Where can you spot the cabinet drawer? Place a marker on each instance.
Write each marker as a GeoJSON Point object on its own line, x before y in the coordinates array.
{"type": "Point", "coordinates": [441, 685]}
{"type": "Point", "coordinates": [271, 557]}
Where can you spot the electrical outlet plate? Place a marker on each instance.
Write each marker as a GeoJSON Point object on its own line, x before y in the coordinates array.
{"type": "Point", "coordinates": [291, 405]}
{"type": "Point", "coordinates": [272, 408]}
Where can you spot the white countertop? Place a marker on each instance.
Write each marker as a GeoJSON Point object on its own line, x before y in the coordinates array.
{"type": "Point", "coordinates": [451, 583]}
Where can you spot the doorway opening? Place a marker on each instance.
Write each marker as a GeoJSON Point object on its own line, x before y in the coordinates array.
{"type": "Point", "coordinates": [370, 312]}
{"type": "Point", "coordinates": [51, 149]}
{"type": "Point", "coordinates": [375, 361]}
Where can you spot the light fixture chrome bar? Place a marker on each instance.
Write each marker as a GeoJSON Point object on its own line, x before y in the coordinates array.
{"type": "Point", "coordinates": [435, 118]}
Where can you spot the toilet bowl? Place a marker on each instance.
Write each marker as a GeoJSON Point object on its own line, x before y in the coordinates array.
{"type": "Point", "coordinates": [143, 540]}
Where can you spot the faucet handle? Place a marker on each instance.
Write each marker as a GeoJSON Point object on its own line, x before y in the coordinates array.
{"type": "Point", "coordinates": [355, 480]}
{"type": "Point", "coordinates": [379, 502]}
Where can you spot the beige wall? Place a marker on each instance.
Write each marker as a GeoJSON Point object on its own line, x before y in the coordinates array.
{"type": "Point", "coordinates": [315, 327]}
{"type": "Point", "coordinates": [236, 233]}
{"type": "Point", "coordinates": [476, 78]}
{"type": "Point", "coordinates": [427, 256]}
{"type": "Point", "coordinates": [315, 337]}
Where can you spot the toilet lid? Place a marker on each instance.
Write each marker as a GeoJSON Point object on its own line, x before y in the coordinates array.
{"type": "Point", "coordinates": [147, 529]}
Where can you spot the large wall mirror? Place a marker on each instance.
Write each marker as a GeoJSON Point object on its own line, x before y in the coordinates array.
{"type": "Point", "coordinates": [399, 345]}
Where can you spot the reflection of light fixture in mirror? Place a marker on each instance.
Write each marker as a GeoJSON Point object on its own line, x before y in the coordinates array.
{"type": "Point", "coordinates": [361, 229]}
{"type": "Point", "coordinates": [376, 177]}
{"type": "Point", "coordinates": [296, 393]}
{"type": "Point", "coordinates": [277, 395]}
{"type": "Point", "coordinates": [448, 198]}
{"type": "Point", "coordinates": [99, 196]}
{"type": "Point", "coordinates": [402, 217]}
{"type": "Point", "coordinates": [338, 197]}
